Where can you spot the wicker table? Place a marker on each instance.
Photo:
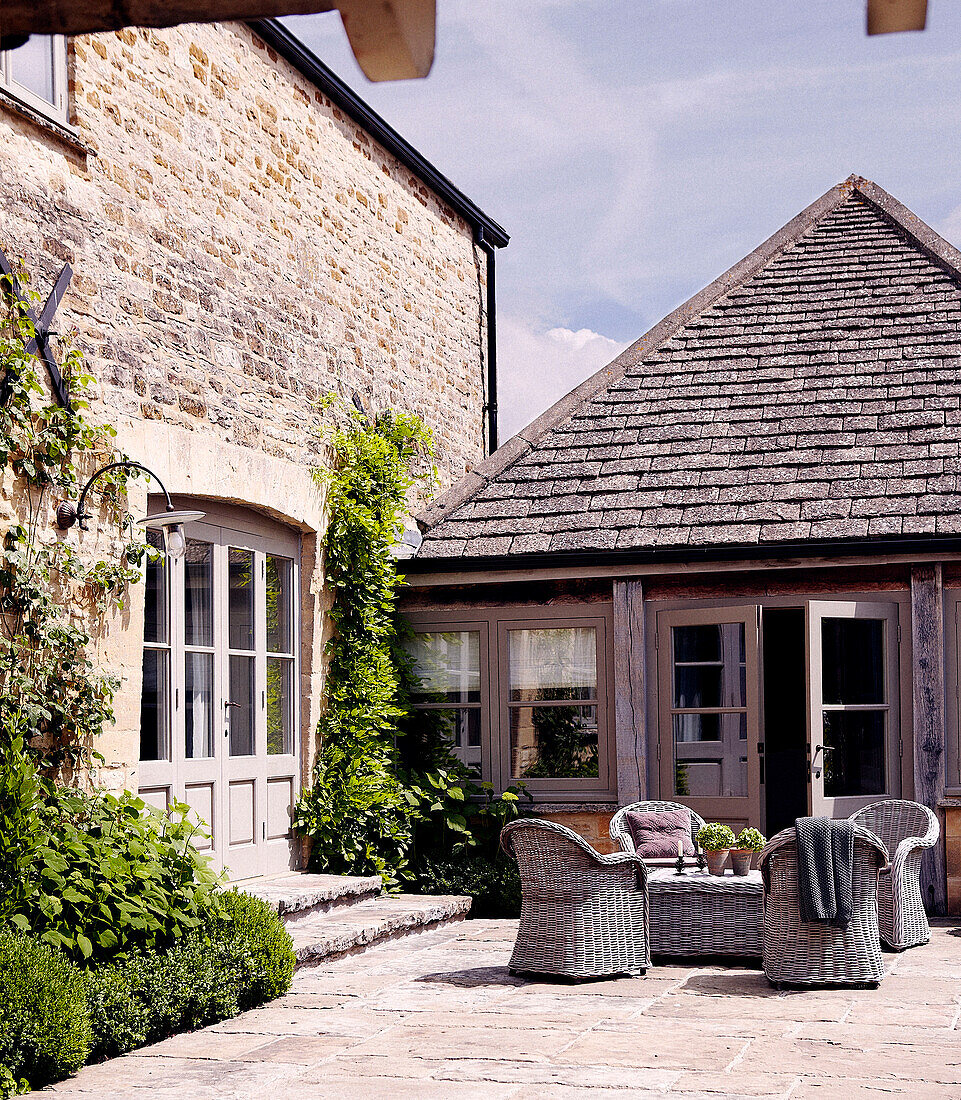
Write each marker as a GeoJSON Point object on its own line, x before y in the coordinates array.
{"type": "Point", "coordinates": [695, 913]}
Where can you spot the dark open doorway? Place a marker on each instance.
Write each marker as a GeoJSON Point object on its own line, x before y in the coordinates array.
{"type": "Point", "coordinates": [785, 717]}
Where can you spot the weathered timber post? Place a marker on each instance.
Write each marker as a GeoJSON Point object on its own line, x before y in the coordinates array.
{"type": "Point", "coordinates": [927, 635]}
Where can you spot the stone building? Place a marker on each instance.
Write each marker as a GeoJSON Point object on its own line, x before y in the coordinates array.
{"type": "Point", "coordinates": [726, 570]}
{"type": "Point", "coordinates": [245, 234]}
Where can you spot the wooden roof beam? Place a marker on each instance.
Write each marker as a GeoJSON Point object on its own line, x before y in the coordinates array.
{"type": "Point", "coordinates": [391, 39]}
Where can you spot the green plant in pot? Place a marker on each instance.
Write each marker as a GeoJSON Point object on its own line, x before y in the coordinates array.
{"type": "Point", "coordinates": [716, 840]}
{"type": "Point", "coordinates": [746, 843]}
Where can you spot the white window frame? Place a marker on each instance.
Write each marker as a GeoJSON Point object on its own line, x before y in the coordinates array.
{"type": "Point", "coordinates": [58, 110]}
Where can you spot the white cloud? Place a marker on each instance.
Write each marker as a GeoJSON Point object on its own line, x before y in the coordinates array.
{"type": "Point", "coordinates": [538, 367]}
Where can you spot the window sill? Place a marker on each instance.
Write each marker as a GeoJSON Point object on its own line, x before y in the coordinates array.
{"type": "Point", "coordinates": [60, 131]}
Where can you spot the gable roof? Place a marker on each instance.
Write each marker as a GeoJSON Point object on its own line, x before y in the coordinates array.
{"type": "Point", "coordinates": [812, 393]}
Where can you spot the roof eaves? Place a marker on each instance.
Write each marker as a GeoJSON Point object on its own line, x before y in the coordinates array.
{"type": "Point", "coordinates": [527, 438]}
{"type": "Point", "coordinates": [277, 36]}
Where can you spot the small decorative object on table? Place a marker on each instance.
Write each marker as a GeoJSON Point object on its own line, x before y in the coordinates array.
{"type": "Point", "coordinates": [716, 840]}
{"type": "Point", "coordinates": [747, 842]}
{"type": "Point", "coordinates": [679, 862]}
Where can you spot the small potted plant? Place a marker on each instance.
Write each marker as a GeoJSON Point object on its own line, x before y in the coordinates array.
{"type": "Point", "coordinates": [747, 842]}
{"type": "Point", "coordinates": [716, 840]}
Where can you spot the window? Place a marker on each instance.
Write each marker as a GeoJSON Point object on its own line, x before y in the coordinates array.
{"type": "Point", "coordinates": [552, 703]}
{"type": "Point", "coordinates": [447, 665]}
{"type": "Point", "coordinates": [709, 710]}
{"type": "Point", "coordinates": [519, 698]}
{"type": "Point", "coordinates": [155, 699]}
{"type": "Point", "coordinates": [36, 73]}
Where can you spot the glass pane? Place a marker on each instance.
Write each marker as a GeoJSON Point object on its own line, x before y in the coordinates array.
{"type": "Point", "coordinates": [155, 705]}
{"type": "Point", "coordinates": [709, 668]}
{"type": "Point", "coordinates": [709, 759]}
{"type": "Point", "coordinates": [554, 743]}
{"type": "Point", "coordinates": [155, 595]}
{"type": "Point", "coordinates": [460, 727]}
{"type": "Point", "coordinates": [279, 605]}
{"type": "Point", "coordinates": [852, 660]}
{"type": "Point", "coordinates": [855, 764]}
{"type": "Point", "coordinates": [240, 706]}
{"type": "Point", "coordinates": [280, 705]}
{"type": "Point", "coordinates": [31, 66]}
{"type": "Point", "coordinates": [198, 705]}
{"type": "Point", "coordinates": [240, 592]}
{"type": "Point", "coordinates": [198, 593]}
{"type": "Point", "coordinates": [553, 664]}
{"type": "Point", "coordinates": [447, 666]}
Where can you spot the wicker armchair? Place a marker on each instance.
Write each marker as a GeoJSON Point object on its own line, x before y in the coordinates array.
{"type": "Point", "coordinates": [906, 828]}
{"type": "Point", "coordinates": [583, 914]}
{"type": "Point", "coordinates": [818, 953]}
{"type": "Point", "coordinates": [622, 834]}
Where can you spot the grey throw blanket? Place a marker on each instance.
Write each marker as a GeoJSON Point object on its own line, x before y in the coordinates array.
{"type": "Point", "coordinates": [825, 861]}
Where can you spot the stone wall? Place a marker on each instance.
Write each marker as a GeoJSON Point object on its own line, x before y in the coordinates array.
{"type": "Point", "coordinates": [240, 247]}
{"type": "Point", "coordinates": [951, 823]}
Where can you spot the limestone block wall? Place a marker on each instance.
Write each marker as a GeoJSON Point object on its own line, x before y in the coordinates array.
{"type": "Point", "coordinates": [951, 823]}
{"type": "Point", "coordinates": [240, 247]}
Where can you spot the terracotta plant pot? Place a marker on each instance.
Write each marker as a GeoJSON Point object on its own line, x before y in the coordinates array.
{"type": "Point", "coordinates": [741, 860]}
{"type": "Point", "coordinates": [716, 861]}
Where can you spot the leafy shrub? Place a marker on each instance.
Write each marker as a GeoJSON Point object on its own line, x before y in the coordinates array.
{"type": "Point", "coordinates": [10, 1085]}
{"type": "Point", "coordinates": [21, 826]}
{"type": "Point", "coordinates": [751, 840]}
{"type": "Point", "coordinates": [493, 884]}
{"type": "Point", "coordinates": [714, 837]}
{"type": "Point", "coordinates": [241, 957]}
{"type": "Point", "coordinates": [108, 874]}
{"type": "Point", "coordinates": [46, 1032]}
{"type": "Point", "coordinates": [386, 790]}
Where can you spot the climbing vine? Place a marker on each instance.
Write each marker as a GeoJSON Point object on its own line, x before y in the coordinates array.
{"type": "Point", "coordinates": [53, 600]}
{"type": "Point", "coordinates": [386, 787]}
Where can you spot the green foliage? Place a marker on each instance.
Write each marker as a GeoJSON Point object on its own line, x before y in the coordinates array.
{"type": "Point", "coordinates": [238, 959]}
{"type": "Point", "coordinates": [10, 1085]}
{"type": "Point", "coordinates": [46, 1032]}
{"type": "Point", "coordinates": [714, 837]}
{"type": "Point", "coordinates": [494, 885]}
{"type": "Point", "coordinates": [99, 875]}
{"type": "Point", "coordinates": [750, 840]}
{"type": "Point", "coordinates": [386, 785]}
{"type": "Point", "coordinates": [52, 601]}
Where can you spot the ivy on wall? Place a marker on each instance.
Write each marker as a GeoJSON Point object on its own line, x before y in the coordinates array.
{"type": "Point", "coordinates": [53, 601]}
{"type": "Point", "coordinates": [386, 790]}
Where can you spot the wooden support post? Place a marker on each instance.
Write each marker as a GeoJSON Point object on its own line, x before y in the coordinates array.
{"type": "Point", "coordinates": [927, 634]}
{"type": "Point", "coordinates": [630, 694]}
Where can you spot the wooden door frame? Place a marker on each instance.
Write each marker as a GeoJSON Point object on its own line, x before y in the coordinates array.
{"type": "Point", "coordinates": [749, 808]}
{"type": "Point", "coordinates": [895, 738]}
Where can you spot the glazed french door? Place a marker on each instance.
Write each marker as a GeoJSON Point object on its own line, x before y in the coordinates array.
{"type": "Point", "coordinates": [219, 725]}
{"type": "Point", "coordinates": [853, 705]}
{"type": "Point", "coordinates": [708, 723]}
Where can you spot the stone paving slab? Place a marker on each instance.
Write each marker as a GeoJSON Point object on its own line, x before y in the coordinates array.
{"type": "Point", "coordinates": [440, 1016]}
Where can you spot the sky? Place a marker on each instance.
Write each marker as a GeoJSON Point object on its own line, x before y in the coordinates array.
{"type": "Point", "coordinates": [636, 149]}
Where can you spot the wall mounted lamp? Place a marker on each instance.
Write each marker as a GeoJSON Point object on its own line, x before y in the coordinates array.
{"type": "Point", "coordinates": [170, 521]}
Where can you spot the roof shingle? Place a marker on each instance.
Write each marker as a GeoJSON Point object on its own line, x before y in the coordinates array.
{"type": "Point", "coordinates": [812, 392]}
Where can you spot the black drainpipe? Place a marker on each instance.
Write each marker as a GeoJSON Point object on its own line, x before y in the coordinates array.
{"type": "Point", "coordinates": [491, 407]}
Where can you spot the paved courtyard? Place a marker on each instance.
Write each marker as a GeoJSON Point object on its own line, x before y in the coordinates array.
{"type": "Point", "coordinates": [438, 1015]}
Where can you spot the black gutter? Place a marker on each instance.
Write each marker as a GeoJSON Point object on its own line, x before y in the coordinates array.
{"type": "Point", "coordinates": [488, 249]}
{"type": "Point", "coordinates": [276, 35]}
{"type": "Point", "coordinates": [681, 555]}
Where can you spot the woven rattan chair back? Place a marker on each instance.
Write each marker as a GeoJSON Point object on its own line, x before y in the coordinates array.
{"type": "Point", "coordinates": [818, 953]}
{"type": "Point", "coordinates": [583, 914]}
{"type": "Point", "coordinates": [895, 820]}
{"type": "Point", "coordinates": [621, 834]}
{"type": "Point", "coordinates": [907, 829]}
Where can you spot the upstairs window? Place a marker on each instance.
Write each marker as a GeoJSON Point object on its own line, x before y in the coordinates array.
{"type": "Point", "coordinates": [36, 74]}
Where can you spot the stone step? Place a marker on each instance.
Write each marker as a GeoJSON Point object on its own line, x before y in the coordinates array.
{"type": "Point", "coordinates": [298, 896]}
{"type": "Point", "coordinates": [352, 929]}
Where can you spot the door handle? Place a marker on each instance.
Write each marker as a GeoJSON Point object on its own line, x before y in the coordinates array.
{"type": "Point", "coordinates": [817, 768]}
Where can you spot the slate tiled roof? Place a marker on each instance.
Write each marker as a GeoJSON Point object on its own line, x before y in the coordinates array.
{"type": "Point", "coordinates": [813, 392]}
